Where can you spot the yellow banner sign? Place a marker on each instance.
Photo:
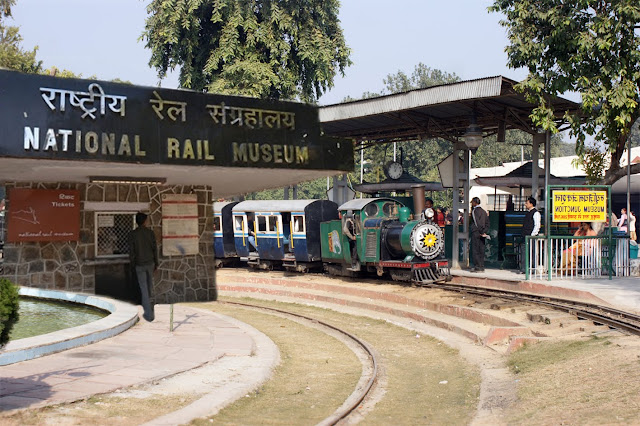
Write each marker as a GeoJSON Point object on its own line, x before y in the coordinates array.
{"type": "Point", "coordinates": [579, 206]}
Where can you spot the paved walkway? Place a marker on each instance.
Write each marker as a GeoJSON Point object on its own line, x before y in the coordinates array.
{"type": "Point", "coordinates": [146, 352]}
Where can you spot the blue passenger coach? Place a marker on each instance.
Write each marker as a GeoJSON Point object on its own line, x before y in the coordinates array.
{"type": "Point", "coordinates": [270, 233]}
{"type": "Point", "coordinates": [224, 247]}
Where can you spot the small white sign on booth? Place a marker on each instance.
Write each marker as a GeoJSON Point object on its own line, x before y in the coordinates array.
{"type": "Point", "coordinates": [180, 224]}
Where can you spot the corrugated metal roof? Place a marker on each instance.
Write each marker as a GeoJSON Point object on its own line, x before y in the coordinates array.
{"type": "Point", "coordinates": [272, 205]}
{"type": "Point", "coordinates": [360, 203]}
{"type": "Point", "coordinates": [464, 90]}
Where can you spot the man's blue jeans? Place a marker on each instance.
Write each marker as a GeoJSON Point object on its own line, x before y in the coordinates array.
{"type": "Point", "coordinates": [145, 281]}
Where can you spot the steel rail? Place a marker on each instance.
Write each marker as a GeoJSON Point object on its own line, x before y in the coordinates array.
{"type": "Point", "coordinates": [612, 317]}
{"type": "Point", "coordinates": [359, 396]}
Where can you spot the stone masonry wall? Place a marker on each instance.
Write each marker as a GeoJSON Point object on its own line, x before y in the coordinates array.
{"type": "Point", "coordinates": [70, 266]}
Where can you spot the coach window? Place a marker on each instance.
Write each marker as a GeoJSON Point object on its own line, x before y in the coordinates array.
{"type": "Point", "coordinates": [112, 233]}
{"type": "Point", "coordinates": [273, 223]}
{"type": "Point", "coordinates": [238, 221]}
{"type": "Point", "coordinates": [262, 223]}
{"type": "Point", "coordinates": [217, 223]}
{"type": "Point", "coordinates": [298, 223]}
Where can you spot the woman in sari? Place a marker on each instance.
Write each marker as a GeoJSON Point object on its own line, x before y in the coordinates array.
{"type": "Point", "coordinates": [570, 255]}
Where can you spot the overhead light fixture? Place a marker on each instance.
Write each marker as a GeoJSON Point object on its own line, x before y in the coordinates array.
{"type": "Point", "coordinates": [128, 180]}
{"type": "Point", "coordinates": [473, 135]}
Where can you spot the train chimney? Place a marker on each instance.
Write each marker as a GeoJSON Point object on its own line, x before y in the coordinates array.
{"type": "Point", "coordinates": [418, 199]}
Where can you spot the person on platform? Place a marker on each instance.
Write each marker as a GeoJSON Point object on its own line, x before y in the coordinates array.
{"type": "Point", "coordinates": [622, 221]}
{"type": "Point", "coordinates": [438, 215]}
{"type": "Point", "coordinates": [632, 225]}
{"type": "Point", "coordinates": [448, 219]}
{"type": "Point", "coordinates": [478, 227]}
{"type": "Point", "coordinates": [570, 255]}
{"type": "Point", "coordinates": [530, 227]}
{"type": "Point", "coordinates": [143, 254]}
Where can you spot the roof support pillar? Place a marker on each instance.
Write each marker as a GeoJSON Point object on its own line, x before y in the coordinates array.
{"type": "Point", "coordinates": [460, 182]}
{"type": "Point", "coordinates": [547, 167]}
{"type": "Point", "coordinates": [340, 190]}
{"type": "Point", "coordinates": [538, 138]}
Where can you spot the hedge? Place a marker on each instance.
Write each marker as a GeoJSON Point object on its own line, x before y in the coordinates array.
{"type": "Point", "coordinates": [9, 303]}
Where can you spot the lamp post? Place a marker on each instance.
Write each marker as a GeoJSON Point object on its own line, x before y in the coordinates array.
{"type": "Point", "coordinates": [471, 140]}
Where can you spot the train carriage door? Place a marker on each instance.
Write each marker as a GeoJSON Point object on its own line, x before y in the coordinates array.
{"type": "Point", "coordinates": [241, 233]}
{"type": "Point", "coordinates": [284, 227]}
{"type": "Point", "coordinates": [218, 243]}
{"type": "Point", "coordinates": [298, 236]}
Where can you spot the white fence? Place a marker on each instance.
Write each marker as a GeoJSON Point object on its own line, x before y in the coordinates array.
{"type": "Point", "coordinates": [576, 257]}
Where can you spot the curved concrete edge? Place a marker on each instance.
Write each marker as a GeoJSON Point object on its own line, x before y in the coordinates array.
{"type": "Point", "coordinates": [245, 377]}
{"type": "Point", "coordinates": [122, 317]}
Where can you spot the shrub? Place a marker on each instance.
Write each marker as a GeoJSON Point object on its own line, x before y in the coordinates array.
{"type": "Point", "coordinates": [9, 303]}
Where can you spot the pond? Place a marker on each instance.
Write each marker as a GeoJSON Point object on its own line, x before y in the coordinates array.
{"type": "Point", "coordinates": [39, 316]}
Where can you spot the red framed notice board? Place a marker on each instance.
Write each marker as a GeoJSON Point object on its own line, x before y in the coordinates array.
{"type": "Point", "coordinates": [43, 215]}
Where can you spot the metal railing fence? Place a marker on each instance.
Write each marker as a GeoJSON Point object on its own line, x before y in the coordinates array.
{"type": "Point", "coordinates": [571, 257]}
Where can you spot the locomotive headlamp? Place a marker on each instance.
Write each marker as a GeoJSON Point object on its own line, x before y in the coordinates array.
{"type": "Point", "coordinates": [429, 213]}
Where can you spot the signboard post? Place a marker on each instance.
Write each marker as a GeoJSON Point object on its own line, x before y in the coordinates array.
{"type": "Point", "coordinates": [577, 203]}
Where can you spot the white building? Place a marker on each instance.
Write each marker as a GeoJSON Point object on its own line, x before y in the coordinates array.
{"type": "Point", "coordinates": [495, 197]}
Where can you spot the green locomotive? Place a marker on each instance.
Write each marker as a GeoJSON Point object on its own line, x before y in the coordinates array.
{"type": "Point", "coordinates": [378, 235]}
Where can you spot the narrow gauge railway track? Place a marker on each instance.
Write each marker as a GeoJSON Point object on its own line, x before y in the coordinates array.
{"type": "Point", "coordinates": [359, 394]}
{"type": "Point", "coordinates": [611, 317]}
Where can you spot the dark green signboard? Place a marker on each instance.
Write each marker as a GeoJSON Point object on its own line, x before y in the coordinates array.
{"type": "Point", "coordinates": [72, 119]}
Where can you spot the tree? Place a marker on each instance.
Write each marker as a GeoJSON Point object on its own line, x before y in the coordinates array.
{"type": "Point", "coordinates": [281, 49]}
{"type": "Point", "coordinates": [421, 78]}
{"type": "Point", "coordinates": [591, 47]}
{"type": "Point", "coordinates": [12, 55]}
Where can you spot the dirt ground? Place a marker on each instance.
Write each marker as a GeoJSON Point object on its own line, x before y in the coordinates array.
{"type": "Point", "coordinates": [575, 382]}
{"type": "Point", "coordinates": [584, 375]}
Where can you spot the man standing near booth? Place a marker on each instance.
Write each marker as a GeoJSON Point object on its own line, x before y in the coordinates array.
{"type": "Point", "coordinates": [530, 226]}
{"type": "Point", "coordinates": [478, 229]}
{"type": "Point", "coordinates": [143, 254]}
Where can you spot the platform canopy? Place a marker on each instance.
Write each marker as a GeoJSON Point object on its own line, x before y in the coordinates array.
{"type": "Point", "coordinates": [442, 111]}
{"type": "Point", "coordinates": [521, 177]}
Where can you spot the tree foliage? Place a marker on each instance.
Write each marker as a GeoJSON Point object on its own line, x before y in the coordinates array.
{"type": "Point", "coordinates": [281, 49]}
{"type": "Point", "coordinates": [591, 47]}
{"type": "Point", "coordinates": [12, 55]}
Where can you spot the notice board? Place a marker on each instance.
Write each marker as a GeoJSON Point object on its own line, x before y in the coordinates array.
{"type": "Point", "coordinates": [43, 215]}
{"type": "Point", "coordinates": [180, 224]}
{"type": "Point", "coordinates": [579, 206]}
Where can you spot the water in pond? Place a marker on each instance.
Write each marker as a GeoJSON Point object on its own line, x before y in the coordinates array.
{"type": "Point", "coordinates": [38, 316]}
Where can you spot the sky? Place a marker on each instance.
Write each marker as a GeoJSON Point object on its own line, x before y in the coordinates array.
{"type": "Point", "coordinates": [100, 38]}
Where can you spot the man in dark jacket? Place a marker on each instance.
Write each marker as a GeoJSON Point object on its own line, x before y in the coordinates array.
{"type": "Point", "coordinates": [478, 229]}
{"type": "Point", "coordinates": [143, 254]}
{"type": "Point", "coordinates": [530, 227]}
